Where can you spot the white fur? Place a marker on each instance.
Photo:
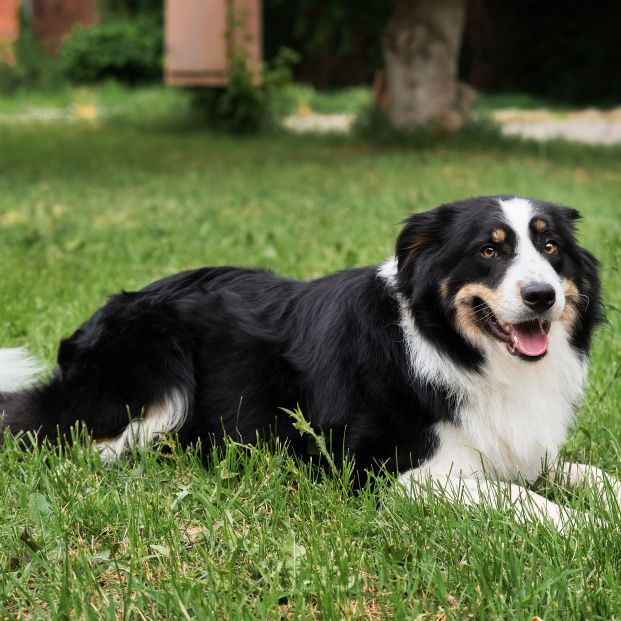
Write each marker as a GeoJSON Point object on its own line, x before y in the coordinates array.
{"type": "Point", "coordinates": [426, 362]}
{"type": "Point", "coordinates": [511, 417]}
{"type": "Point", "coordinates": [527, 506]}
{"type": "Point", "coordinates": [18, 369]}
{"type": "Point", "coordinates": [528, 266]}
{"type": "Point", "coordinates": [167, 417]}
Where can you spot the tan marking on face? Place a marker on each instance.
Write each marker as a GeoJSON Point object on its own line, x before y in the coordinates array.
{"type": "Point", "coordinates": [499, 236]}
{"type": "Point", "coordinates": [467, 326]}
{"type": "Point", "coordinates": [444, 289]}
{"type": "Point", "coordinates": [415, 245]}
{"type": "Point", "coordinates": [570, 288]}
{"type": "Point", "coordinates": [569, 315]}
{"type": "Point", "coordinates": [467, 322]}
{"type": "Point", "coordinates": [540, 225]}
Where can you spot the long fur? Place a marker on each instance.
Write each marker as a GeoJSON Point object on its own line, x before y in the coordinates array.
{"type": "Point", "coordinates": [379, 358]}
{"type": "Point", "coordinates": [18, 369]}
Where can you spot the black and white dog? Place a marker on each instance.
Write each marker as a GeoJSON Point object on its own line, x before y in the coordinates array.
{"type": "Point", "coordinates": [462, 359]}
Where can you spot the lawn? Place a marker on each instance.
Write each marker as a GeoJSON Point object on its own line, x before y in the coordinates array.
{"type": "Point", "coordinates": [89, 208]}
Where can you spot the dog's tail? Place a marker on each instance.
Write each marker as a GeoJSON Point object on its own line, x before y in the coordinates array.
{"type": "Point", "coordinates": [18, 369]}
{"type": "Point", "coordinates": [19, 410]}
{"type": "Point", "coordinates": [128, 397]}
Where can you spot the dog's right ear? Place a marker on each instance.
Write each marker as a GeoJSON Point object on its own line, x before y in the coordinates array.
{"type": "Point", "coordinates": [421, 232]}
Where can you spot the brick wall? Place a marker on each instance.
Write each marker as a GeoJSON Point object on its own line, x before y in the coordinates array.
{"type": "Point", "coordinates": [9, 20]}
{"type": "Point", "coordinates": [9, 28]}
{"type": "Point", "coordinates": [53, 19]}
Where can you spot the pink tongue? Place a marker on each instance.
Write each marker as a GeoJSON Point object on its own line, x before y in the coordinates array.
{"type": "Point", "coordinates": [531, 339]}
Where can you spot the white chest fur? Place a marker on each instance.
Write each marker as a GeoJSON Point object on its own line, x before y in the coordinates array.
{"type": "Point", "coordinates": [514, 416]}
{"type": "Point", "coordinates": [510, 418]}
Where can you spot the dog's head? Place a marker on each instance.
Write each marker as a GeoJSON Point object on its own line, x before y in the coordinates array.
{"type": "Point", "coordinates": [498, 272]}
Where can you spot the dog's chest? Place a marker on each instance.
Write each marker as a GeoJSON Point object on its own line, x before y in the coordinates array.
{"type": "Point", "coordinates": [514, 416]}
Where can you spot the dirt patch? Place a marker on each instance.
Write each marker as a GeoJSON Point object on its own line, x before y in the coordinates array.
{"type": "Point", "coordinates": [590, 126]}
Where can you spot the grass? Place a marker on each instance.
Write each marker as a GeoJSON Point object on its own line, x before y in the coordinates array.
{"type": "Point", "coordinates": [347, 100]}
{"type": "Point", "coordinates": [144, 107]}
{"type": "Point", "coordinates": [88, 208]}
{"type": "Point", "coordinates": [487, 102]}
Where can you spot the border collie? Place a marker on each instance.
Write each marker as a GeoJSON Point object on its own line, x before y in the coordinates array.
{"type": "Point", "coordinates": [461, 360]}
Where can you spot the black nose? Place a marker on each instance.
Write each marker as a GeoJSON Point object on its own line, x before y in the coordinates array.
{"type": "Point", "coordinates": [538, 296]}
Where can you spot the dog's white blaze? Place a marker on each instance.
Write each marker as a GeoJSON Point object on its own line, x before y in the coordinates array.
{"type": "Point", "coordinates": [18, 369]}
{"type": "Point", "coordinates": [166, 417]}
{"type": "Point", "coordinates": [512, 417]}
{"type": "Point", "coordinates": [527, 266]}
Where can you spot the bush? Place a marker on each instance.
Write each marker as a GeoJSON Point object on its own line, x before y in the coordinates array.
{"type": "Point", "coordinates": [33, 68]}
{"type": "Point", "coordinates": [245, 107]}
{"type": "Point", "coordinates": [126, 50]}
{"type": "Point", "coordinates": [240, 108]}
{"type": "Point", "coordinates": [10, 79]}
{"type": "Point", "coordinates": [340, 40]}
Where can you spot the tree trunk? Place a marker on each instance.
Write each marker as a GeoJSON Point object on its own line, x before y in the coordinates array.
{"type": "Point", "coordinates": [421, 51]}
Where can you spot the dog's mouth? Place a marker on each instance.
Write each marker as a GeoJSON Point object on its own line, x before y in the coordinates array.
{"type": "Point", "coordinates": [528, 339]}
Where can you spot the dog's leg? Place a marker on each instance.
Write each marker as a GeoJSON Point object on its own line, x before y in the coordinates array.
{"type": "Point", "coordinates": [573, 474]}
{"type": "Point", "coordinates": [160, 419]}
{"type": "Point", "coordinates": [527, 505]}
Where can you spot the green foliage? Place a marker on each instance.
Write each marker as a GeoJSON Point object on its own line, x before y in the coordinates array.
{"type": "Point", "coordinates": [318, 442]}
{"type": "Point", "coordinates": [303, 98]}
{"type": "Point", "coordinates": [34, 69]}
{"type": "Point", "coordinates": [374, 126]}
{"type": "Point", "coordinates": [11, 79]}
{"type": "Point", "coordinates": [126, 46]}
{"type": "Point", "coordinates": [126, 50]}
{"type": "Point", "coordinates": [132, 8]}
{"type": "Point", "coordinates": [563, 52]}
{"type": "Point", "coordinates": [339, 40]}
{"type": "Point", "coordinates": [240, 108]}
{"type": "Point", "coordinates": [245, 106]}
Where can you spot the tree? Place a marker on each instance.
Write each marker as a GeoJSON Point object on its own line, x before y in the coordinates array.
{"type": "Point", "coordinates": [421, 44]}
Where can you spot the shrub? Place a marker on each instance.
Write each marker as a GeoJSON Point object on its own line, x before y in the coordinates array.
{"type": "Point", "coordinates": [340, 39]}
{"type": "Point", "coordinates": [243, 106]}
{"type": "Point", "coordinates": [126, 50]}
{"type": "Point", "coordinates": [33, 68]}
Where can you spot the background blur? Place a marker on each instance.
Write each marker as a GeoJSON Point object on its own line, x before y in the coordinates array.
{"type": "Point", "coordinates": [323, 57]}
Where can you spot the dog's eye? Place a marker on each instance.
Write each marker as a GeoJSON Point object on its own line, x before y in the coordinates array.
{"type": "Point", "coordinates": [550, 248]}
{"type": "Point", "coordinates": [489, 252]}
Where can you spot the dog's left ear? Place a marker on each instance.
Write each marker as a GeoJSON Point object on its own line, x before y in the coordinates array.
{"type": "Point", "coordinates": [422, 232]}
{"type": "Point", "coordinates": [572, 214]}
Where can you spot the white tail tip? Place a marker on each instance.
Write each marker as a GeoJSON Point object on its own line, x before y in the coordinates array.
{"type": "Point", "coordinates": [18, 369]}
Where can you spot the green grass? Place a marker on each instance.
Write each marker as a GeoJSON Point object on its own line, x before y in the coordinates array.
{"type": "Point", "coordinates": [486, 102]}
{"type": "Point", "coordinates": [87, 209]}
{"type": "Point", "coordinates": [346, 100]}
{"type": "Point", "coordinates": [144, 107]}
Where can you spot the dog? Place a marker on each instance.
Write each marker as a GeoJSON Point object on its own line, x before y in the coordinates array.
{"type": "Point", "coordinates": [461, 360]}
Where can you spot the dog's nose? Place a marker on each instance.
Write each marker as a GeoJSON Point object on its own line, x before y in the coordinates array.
{"type": "Point", "coordinates": [538, 296]}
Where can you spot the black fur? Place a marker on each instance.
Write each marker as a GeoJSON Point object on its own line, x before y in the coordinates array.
{"type": "Point", "coordinates": [241, 344]}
